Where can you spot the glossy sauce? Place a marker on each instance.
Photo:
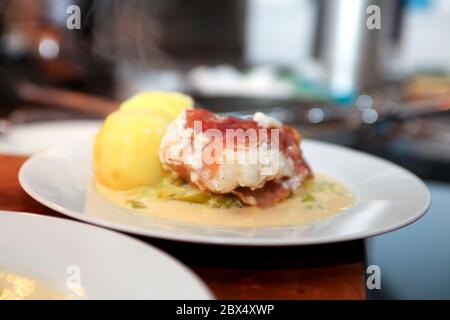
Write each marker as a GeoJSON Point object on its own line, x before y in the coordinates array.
{"type": "Point", "coordinates": [325, 198]}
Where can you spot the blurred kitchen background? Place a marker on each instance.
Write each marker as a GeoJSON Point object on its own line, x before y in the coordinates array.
{"type": "Point", "coordinates": [372, 75]}
{"type": "Point", "coordinates": [320, 65]}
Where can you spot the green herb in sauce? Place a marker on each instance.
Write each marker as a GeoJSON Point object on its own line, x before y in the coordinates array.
{"type": "Point", "coordinates": [176, 189]}
{"type": "Point", "coordinates": [135, 204]}
{"type": "Point", "coordinates": [308, 198]}
{"type": "Point", "coordinates": [311, 194]}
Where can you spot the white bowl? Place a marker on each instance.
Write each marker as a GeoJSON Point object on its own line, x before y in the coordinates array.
{"type": "Point", "coordinates": [87, 262]}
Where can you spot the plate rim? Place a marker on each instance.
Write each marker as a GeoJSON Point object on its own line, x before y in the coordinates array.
{"type": "Point", "coordinates": [206, 291]}
{"type": "Point", "coordinates": [250, 242]}
{"type": "Point", "coordinates": [22, 128]}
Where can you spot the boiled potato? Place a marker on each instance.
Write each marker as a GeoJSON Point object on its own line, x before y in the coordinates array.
{"type": "Point", "coordinates": [172, 103]}
{"type": "Point", "coordinates": [126, 149]}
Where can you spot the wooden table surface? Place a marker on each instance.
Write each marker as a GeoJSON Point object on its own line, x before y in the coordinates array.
{"type": "Point", "coordinates": [335, 271]}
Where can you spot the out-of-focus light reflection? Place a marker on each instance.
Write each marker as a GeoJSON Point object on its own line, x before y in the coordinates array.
{"type": "Point", "coordinates": [4, 126]}
{"type": "Point", "coordinates": [48, 48]}
{"type": "Point", "coordinates": [14, 43]}
{"type": "Point", "coordinates": [369, 116]}
{"type": "Point", "coordinates": [346, 21]}
{"type": "Point", "coordinates": [364, 102]}
{"type": "Point", "coordinates": [315, 115]}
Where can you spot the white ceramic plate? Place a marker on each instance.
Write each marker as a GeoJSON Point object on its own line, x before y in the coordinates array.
{"type": "Point", "coordinates": [388, 197]}
{"type": "Point", "coordinates": [67, 255]}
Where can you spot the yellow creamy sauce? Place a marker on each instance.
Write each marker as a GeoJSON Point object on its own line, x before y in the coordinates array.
{"type": "Point", "coordinates": [325, 197]}
{"type": "Point", "coordinates": [18, 287]}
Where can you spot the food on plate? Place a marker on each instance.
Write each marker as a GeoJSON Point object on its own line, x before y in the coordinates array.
{"type": "Point", "coordinates": [18, 287]}
{"type": "Point", "coordinates": [126, 148]}
{"type": "Point", "coordinates": [318, 199]}
{"type": "Point", "coordinates": [259, 182]}
{"type": "Point", "coordinates": [159, 155]}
